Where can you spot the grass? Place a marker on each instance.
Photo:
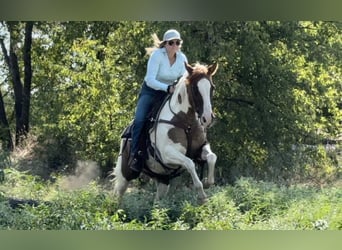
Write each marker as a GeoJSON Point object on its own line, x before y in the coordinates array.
{"type": "Point", "coordinates": [248, 204]}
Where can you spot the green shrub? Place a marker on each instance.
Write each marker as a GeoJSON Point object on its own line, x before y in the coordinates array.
{"type": "Point", "coordinates": [257, 200]}
{"type": "Point", "coordinates": [219, 212]}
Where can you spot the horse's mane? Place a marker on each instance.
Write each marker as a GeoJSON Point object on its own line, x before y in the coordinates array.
{"type": "Point", "coordinates": [199, 71]}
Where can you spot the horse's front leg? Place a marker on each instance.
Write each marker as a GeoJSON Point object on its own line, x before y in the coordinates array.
{"type": "Point", "coordinates": [176, 158]}
{"type": "Point", "coordinates": [211, 158]}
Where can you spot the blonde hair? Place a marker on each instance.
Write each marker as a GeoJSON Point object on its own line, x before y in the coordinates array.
{"type": "Point", "coordinates": [156, 44]}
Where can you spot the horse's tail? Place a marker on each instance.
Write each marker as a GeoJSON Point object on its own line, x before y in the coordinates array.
{"type": "Point", "coordinates": [120, 182]}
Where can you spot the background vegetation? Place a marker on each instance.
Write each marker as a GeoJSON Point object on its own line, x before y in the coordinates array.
{"type": "Point", "coordinates": [69, 88]}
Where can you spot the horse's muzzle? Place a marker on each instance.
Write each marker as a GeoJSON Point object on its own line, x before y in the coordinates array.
{"type": "Point", "coordinates": [206, 121]}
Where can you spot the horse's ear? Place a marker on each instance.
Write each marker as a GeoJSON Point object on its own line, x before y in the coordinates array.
{"type": "Point", "coordinates": [212, 69]}
{"type": "Point", "coordinates": [189, 68]}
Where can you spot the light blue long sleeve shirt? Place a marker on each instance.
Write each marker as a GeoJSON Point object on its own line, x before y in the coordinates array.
{"type": "Point", "coordinates": [160, 74]}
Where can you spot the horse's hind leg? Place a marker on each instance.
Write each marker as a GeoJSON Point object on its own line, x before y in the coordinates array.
{"type": "Point", "coordinates": [162, 190]}
{"type": "Point", "coordinates": [211, 158]}
{"type": "Point", "coordinates": [120, 182]}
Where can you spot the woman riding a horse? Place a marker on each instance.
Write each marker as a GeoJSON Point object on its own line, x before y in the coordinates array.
{"type": "Point", "coordinates": [178, 139]}
{"type": "Point", "coordinates": [164, 67]}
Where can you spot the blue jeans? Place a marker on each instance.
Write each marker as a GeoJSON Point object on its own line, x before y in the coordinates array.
{"type": "Point", "coordinates": [145, 103]}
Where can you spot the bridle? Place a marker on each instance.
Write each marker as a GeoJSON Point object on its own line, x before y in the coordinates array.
{"type": "Point", "coordinates": [194, 103]}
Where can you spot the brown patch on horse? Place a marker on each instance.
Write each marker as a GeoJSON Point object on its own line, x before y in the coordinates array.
{"type": "Point", "coordinates": [179, 99]}
{"type": "Point", "coordinates": [178, 134]}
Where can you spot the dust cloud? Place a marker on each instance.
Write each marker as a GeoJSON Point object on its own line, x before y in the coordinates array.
{"type": "Point", "coordinates": [85, 172]}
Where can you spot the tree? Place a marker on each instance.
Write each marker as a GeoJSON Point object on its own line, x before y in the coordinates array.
{"type": "Point", "coordinates": [5, 133]}
{"type": "Point", "coordinates": [87, 82]}
{"type": "Point", "coordinates": [279, 79]}
{"type": "Point", "coordinates": [21, 88]}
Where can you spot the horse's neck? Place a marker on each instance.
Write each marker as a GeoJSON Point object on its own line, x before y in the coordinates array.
{"type": "Point", "coordinates": [180, 101]}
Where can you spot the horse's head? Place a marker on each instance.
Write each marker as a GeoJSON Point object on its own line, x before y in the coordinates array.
{"type": "Point", "coordinates": [200, 90]}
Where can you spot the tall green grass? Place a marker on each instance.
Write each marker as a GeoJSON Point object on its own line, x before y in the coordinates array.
{"type": "Point", "coordinates": [248, 204]}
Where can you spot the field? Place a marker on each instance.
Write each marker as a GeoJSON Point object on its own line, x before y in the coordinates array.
{"type": "Point", "coordinates": [28, 202]}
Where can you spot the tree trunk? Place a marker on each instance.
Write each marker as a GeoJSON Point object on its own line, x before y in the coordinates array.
{"type": "Point", "coordinates": [5, 132]}
{"type": "Point", "coordinates": [25, 114]}
{"type": "Point", "coordinates": [18, 90]}
{"type": "Point", "coordinates": [22, 92]}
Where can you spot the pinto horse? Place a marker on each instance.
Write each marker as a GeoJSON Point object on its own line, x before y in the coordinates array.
{"type": "Point", "coordinates": [177, 138]}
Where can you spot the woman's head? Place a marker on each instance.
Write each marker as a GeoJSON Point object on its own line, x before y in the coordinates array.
{"type": "Point", "coordinates": [171, 40]}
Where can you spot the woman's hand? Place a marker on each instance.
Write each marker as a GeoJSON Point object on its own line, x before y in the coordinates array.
{"type": "Point", "coordinates": [170, 89]}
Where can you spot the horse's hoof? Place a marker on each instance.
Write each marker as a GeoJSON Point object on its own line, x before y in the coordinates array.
{"type": "Point", "coordinates": [206, 184]}
{"type": "Point", "coordinates": [202, 201]}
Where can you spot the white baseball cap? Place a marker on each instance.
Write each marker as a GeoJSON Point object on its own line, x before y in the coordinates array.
{"type": "Point", "coordinates": [171, 35]}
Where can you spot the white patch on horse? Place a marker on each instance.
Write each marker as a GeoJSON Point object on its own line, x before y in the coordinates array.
{"type": "Point", "coordinates": [204, 89]}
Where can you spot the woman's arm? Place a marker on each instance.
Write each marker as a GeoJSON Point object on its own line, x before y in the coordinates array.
{"type": "Point", "coordinates": [152, 71]}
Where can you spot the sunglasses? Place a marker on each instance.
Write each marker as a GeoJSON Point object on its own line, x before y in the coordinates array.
{"type": "Point", "coordinates": [172, 42]}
